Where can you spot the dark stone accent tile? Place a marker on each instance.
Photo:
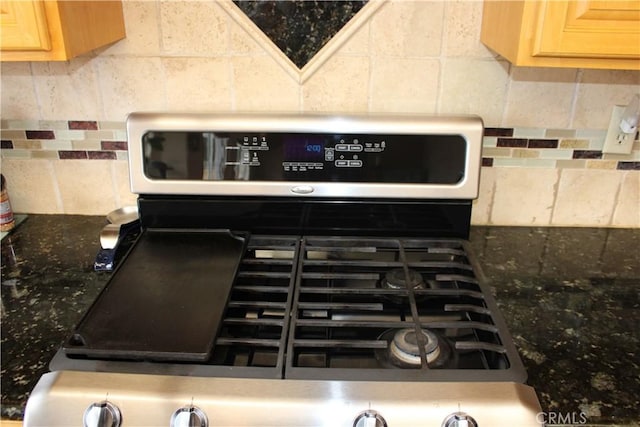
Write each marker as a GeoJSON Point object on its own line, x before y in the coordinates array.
{"type": "Point", "coordinates": [512, 142]}
{"type": "Point", "coordinates": [114, 145]}
{"type": "Point", "coordinates": [71, 154]}
{"type": "Point", "coordinates": [629, 166]}
{"type": "Point", "coordinates": [543, 143]}
{"type": "Point", "coordinates": [587, 154]}
{"type": "Point", "coordinates": [40, 134]}
{"type": "Point", "coordinates": [83, 125]}
{"type": "Point", "coordinates": [487, 161]}
{"type": "Point", "coordinates": [300, 27]}
{"type": "Point", "coordinates": [101, 155]}
{"type": "Point", "coordinates": [498, 131]}
{"type": "Point", "coordinates": [7, 145]}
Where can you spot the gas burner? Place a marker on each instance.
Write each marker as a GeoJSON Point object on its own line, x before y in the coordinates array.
{"type": "Point", "coordinates": [403, 349]}
{"type": "Point", "coordinates": [396, 279]}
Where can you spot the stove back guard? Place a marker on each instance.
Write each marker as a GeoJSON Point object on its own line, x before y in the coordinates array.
{"type": "Point", "coordinates": [403, 175]}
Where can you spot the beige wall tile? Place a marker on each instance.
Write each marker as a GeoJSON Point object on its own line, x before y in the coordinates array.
{"type": "Point", "coordinates": [627, 209]}
{"type": "Point", "coordinates": [124, 196]}
{"type": "Point", "coordinates": [358, 43]}
{"type": "Point", "coordinates": [463, 21]}
{"type": "Point", "coordinates": [586, 196]}
{"type": "Point", "coordinates": [31, 186]}
{"type": "Point", "coordinates": [474, 86]}
{"type": "Point", "coordinates": [523, 196]}
{"type": "Point", "coordinates": [599, 91]}
{"type": "Point", "coordinates": [193, 28]}
{"type": "Point", "coordinates": [540, 96]}
{"type": "Point", "coordinates": [86, 186]}
{"type": "Point", "coordinates": [342, 84]}
{"type": "Point", "coordinates": [259, 84]}
{"type": "Point", "coordinates": [242, 41]}
{"type": "Point", "coordinates": [198, 84]}
{"type": "Point", "coordinates": [142, 25]}
{"type": "Point", "coordinates": [131, 84]}
{"type": "Point", "coordinates": [68, 90]}
{"type": "Point", "coordinates": [18, 99]}
{"type": "Point", "coordinates": [408, 29]}
{"type": "Point", "coordinates": [481, 209]}
{"type": "Point", "coordinates": [404, 85]}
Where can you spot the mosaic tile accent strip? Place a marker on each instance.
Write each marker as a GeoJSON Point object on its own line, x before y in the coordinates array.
{"type": "Point", "coordinates": [502, 147]}
{"type": "Point", "coordinates": [553, 148]}
{"type": "Point", "coordinates": [64, 140]}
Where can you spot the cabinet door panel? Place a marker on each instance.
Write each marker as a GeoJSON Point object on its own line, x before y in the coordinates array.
{"type": "Point", "coordinates": [588, 28]}
{"type": "Point", "coordinates": [24, 26]}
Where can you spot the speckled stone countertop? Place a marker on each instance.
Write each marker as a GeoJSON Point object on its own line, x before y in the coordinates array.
{"type": "Point", "coordinates": [571, 298]}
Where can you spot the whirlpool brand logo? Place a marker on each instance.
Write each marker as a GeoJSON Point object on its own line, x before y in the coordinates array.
{"type": "Point", "coordinates": [572, 418]}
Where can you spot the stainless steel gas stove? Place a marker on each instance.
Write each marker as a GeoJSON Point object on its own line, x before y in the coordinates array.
{"type": "Point", "coordinates": [299, 270]}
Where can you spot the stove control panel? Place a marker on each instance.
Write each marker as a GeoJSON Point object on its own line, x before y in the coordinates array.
{"type": "Point", "coordinates": [318, 157]}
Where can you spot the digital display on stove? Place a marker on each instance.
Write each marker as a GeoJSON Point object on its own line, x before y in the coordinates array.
{"type": "Point", "coordinates": [303, 147]}
{"type": "Point", "coordinates": [304, 157]}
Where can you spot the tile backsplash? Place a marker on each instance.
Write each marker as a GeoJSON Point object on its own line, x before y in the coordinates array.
{"type": "Point", "coordinates": [64, 147]}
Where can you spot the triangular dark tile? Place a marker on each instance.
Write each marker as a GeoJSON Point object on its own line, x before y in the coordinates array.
{"type": "Point", "coordinates": [298, 27]}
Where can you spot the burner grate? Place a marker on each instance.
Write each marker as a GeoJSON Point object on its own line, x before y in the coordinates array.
{"type": "Point", "coordinates": [343, 312]}
{"type": "Point", "coordinates": [255, 326]}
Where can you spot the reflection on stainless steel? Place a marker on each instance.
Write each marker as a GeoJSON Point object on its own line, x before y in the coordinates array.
{"type": "Point", "coordinates": [109, 236]}
{"type": "Point", "coordinates": [123, 215]}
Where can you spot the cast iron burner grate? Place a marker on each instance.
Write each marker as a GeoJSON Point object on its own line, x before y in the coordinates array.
{"type": "Point", "coordinates": [343, 314]}
{"type": "Point", "coordinates": [322, 308]}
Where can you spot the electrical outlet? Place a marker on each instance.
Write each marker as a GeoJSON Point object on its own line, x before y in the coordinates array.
{"type": "Point", "coordinates": [616, 141]}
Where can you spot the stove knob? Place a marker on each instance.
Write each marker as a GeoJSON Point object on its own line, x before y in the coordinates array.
{"type": "Point", "coordinates": [459, 419]}
{"type": "Point", "coordinates": [189, 416]}
{"type": "Point", "coordinates": [369, 418]}
{"type": "Point", "coordinates": [102, 414]}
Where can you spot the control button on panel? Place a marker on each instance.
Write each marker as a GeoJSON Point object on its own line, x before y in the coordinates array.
{"type": "Point", "coordinates": [355, 163]}
{"type": "Point", "coordinates": [355, 147]}
{"type": "Point", "coordinates": [342, 163]}
{"type": "Point", "coordinates": [342, 147]}
{"type": "Point", "coordinates": [329, 155]}
{"type": "Point", "coordinates": [102, 414]}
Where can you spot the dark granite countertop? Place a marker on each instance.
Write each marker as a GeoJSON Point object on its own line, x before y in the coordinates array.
{"type": "Point", "coordinates": [570, 296]}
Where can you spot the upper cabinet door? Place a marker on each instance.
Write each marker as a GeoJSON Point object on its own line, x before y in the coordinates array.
{"type": "Point", "coordinates": [564, 33]}
{"type": "Point", "coordinates": [589, 28]}
{"type": "Point", "coordinates": [57, 30]}
{"type": "Point", "coordinates": [24, 26]}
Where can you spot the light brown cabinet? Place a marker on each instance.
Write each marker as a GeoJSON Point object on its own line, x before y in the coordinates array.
{"type": "Point", "coordinates": [35, 30]}
{"type": "Point", "coordinates": [564, 33]}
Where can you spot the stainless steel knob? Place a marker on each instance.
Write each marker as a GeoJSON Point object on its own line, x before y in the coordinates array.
{"type": "Point", "coordinates": [369, 418]}
{"type": "Point", "coordinates": [189, 416]}
{"type": "Point", "coordinates": [459, 419]}
{"type": "Point", "coordinates": [102, 414]}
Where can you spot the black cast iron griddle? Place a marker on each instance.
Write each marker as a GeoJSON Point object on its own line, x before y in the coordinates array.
{"type": "Point", "coordinates": [166, 300]}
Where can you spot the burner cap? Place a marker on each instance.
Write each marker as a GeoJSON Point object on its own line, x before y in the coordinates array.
{"type": "Point", "coordinates": [405, 346]}
{"type": "Point", "coordinates": [396, 279]}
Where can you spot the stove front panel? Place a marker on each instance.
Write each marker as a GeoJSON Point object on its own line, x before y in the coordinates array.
{"type": "Point", "coordinates": [63, 398]}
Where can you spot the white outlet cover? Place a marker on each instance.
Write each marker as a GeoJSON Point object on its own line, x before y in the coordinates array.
{"type": "Point", "coordinates": [616, 141]}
